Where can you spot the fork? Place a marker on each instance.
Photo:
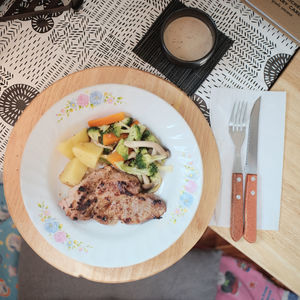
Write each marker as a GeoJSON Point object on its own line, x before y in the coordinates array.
{"type": "Point", "coordinates": [237, 129]}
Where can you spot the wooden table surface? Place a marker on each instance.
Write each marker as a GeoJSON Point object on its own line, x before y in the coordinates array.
{"type": "Point", "coordinates": [120, 75]}
{"type": "Point", "coordinates": [278, 252]}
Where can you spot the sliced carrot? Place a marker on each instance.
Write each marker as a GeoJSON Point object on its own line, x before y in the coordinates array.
{"type": "Point", "coordinates": [111, 138]}
{"type": "Point", "coordinates": [107, 120]}
{"type": "Point", "coordinates": [135, 122]}
{"type": "Point", "coordinates": [114, 157]}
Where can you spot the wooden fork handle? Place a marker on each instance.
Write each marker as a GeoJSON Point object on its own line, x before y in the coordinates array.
{"type": "Point", "coordinates": [250, 208]}
{"type": "Point", "coordinates": [237, 207]}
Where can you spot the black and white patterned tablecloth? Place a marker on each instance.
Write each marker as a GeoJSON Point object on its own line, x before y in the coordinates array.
{"type": "Point", "coordinates": [36, 52]}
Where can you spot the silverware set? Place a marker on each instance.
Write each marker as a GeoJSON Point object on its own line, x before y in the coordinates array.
{"type": "Point", "coordinates": [243, 204]}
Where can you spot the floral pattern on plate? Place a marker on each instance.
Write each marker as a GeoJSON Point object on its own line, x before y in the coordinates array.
{"type": "Point", "coordinates": [55, 230]}
{"type": "Point", "coordinates": [87, 100]}
{"type": "Point", "coordinates": [189, 189]}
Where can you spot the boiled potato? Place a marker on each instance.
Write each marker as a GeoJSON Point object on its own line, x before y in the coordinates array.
{"type": "Point", "coordinates": [73, 172]}
{"type": "Point", "coordinates": [65, 147]}
{"type": "Point", "coordinates": [87, 153]}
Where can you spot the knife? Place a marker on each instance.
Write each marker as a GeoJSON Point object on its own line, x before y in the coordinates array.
{"type": "Point", "coordinates": [251, 177]}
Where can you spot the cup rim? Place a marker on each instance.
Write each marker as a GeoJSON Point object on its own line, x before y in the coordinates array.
{"type": "Point", "coordinates": [191, 12]}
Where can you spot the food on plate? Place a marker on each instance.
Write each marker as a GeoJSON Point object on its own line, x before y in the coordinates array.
{"type": "Point", "coordinates": [65, 147]}
{"type": "Point", "coordinates": [111, 138]}
{"type": "Point", "coordinates": [87, 153]}
{"type": "Point", "coordinates": [130, 152]}
{"type": "Point", "coordinates": [73, 172]}
{"type": "Point", "coordinates": [123, 142]}
{"type": "Point", "coordinates": [108, 119]}
{"type": "Point", "coordinates": [108, 195]}
{"type": "Point", "coordinates": [114, 157]}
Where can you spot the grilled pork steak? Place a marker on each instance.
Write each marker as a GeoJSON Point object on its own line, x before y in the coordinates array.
{"type": "Point", "coordinates": [132, 209]}
{"type": "Point", "coordinates": [108, 195]}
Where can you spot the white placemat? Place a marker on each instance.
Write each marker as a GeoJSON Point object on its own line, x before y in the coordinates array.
{"type": "Point", "coordinates": [270, 152]}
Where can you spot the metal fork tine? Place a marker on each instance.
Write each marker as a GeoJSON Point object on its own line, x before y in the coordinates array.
{"type": "Point", "coordinates": [241, 113]}
{"type": "Point", "coordinates": [238, 116]}
{"type": "Point", "coordinates": [231, 120]}
{"type": "Point", "coordinates": [244, 115]}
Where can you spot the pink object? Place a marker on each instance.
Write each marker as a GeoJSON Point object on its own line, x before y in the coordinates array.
{"type": "Point", "coordinates": [12, 271]}
{"type": "Point", "coordinates": [191, 186]}
{"type": "Point", "coordinates": [60, 236]}
{"type": "Point", "coordinates": [240, 280]}
{"type": "Point", "coordinates": [83, 100]}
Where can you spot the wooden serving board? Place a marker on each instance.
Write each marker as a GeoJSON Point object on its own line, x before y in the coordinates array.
{"type": "Point", "coordinates": [151, 83]}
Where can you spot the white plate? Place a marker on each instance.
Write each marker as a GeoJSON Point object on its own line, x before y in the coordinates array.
{"type": "Point", "coordinates": [88, 241]}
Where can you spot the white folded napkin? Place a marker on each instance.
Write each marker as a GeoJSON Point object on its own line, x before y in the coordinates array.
{"type": "Point", "coordinates": [270, 152]}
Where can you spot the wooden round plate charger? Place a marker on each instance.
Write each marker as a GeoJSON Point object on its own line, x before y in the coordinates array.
{"type": "Point", "coordinates": [120, 75]}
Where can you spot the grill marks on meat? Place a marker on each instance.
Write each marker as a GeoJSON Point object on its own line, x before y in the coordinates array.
{"type": "Point", "coordinates": [123, 189]}
{"type": "Point", "coordinates": [133, 209]}
{"type": "Point", "coordinates": [108, 196]}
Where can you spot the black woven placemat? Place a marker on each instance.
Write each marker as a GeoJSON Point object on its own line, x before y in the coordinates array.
{"type": "Point", "coordinates": [187, 79]}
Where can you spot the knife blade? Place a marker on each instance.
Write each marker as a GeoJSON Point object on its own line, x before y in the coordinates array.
{"type": "Point", "coordinates": [251, 174]}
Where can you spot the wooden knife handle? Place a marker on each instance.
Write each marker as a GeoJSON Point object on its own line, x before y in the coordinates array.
{"type": "Point", "coordinates": [250, 208]}
{"type": "Point", "coordinates": [237, 207]}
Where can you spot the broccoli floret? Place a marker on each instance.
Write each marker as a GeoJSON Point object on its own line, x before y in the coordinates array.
{"type": "Point", "coordinates": [142, 129]}
{"type": "Point", "coordinates": [122, 149]}
{"type": "Point", "coordinates": [152, 138]}
{"type": "Point", "coordinates": [103, 128]}
{"type": "Point", "coordinates": [148, 136]}
{"type": "Point", "coordinates": [94, 133]}
{"type": "Point", "coordinates": [120, 127]}
{"type": "Point", "coordinates": [117, 129]}
{"type": "Point", "coordinates": [145, 134]}
{"type": "Point", "coordinates": [150, 171]}
{"type": "Point", "coordinates": [110, 129]}
{"type": "Point", "coordinates": [143, 150]}
{"type": "Point", "coordinates": [143, 160]}
{"type": "Point", "coordinates": [131, 163]}
{"type": "Point", "coordinates": [140, 161]}
{"type": "Point", "coordinates": [134, 133]}
{"type": "Point", "coordinates": [127, 121]}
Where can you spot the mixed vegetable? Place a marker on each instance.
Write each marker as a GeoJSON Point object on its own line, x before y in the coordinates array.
{"type": "Point", "coordinates": [123, 142]}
